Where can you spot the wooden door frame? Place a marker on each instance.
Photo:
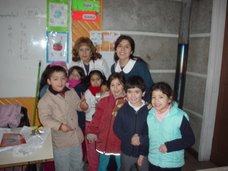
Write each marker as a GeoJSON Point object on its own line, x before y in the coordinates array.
{"type": "Point", "coordinates": [213, 78]}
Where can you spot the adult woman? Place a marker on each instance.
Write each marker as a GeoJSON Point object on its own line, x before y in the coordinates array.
{"type": "Point", "coordinates": [129, 65]}
{"type": "Point", "coordinates": [85, 55]}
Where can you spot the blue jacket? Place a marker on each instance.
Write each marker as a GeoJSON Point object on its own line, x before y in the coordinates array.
{"type": "Point", "coordinates": [127, 123]}
{"type": "Point", "coordinates": [140, 68]}
{"type": "Point", "coordinates": [175, 132]}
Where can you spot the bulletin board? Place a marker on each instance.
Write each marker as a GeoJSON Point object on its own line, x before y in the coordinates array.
{"type": "Point", "coordinates": [86, 17]}
{"type": "Point", "coordinates": [22, 45]}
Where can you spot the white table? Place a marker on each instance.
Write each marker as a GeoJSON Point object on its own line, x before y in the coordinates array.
{"type": "Point", "coordinates": [43, 154]}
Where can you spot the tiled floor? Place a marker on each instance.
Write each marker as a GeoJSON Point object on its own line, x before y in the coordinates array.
{"type": "Point", "coordinates": [191, 163]}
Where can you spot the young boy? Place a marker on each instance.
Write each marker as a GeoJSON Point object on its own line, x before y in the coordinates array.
{"type": "Point", "coordinates": [131, 126]}
{"type": "Point", "coordinates": [57, 110]}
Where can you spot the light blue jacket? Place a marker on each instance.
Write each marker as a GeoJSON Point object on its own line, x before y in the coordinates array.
{"type": "Point", "coordinates": [165, 131]}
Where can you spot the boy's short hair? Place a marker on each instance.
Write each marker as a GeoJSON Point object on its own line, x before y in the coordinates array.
{"type": "Point", "coordinates": [135, 82]}
{"type": "Point", "coordinates": [53, 69]}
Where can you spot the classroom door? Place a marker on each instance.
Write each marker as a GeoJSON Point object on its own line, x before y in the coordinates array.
{"type": "Point", "coordinates": [219, 154]}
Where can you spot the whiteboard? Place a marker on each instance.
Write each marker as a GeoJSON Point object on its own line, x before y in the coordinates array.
{"type": "Point", "coordinates": [22, 45]}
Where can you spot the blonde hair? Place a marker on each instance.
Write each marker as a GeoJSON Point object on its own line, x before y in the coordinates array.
{"type": "Point", "coordinates": [84, 41]}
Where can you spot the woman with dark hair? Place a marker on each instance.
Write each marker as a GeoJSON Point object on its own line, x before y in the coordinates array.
{"type": "Point", "coordinates": [130, 65]}
{"type": "Point", "coordinates": [85, 55]}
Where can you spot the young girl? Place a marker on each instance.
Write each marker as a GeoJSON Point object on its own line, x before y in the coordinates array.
{"type": "Point", "coordinates": [102, 124]}
{"type": "Point", "coordinates": [169, 131]}
{"type": "Point", "coordinates": [95, 79]}
{"type": "Point", "coordinates": [76, 80]}
{"type": "Point", "coordinates": [57, 111]}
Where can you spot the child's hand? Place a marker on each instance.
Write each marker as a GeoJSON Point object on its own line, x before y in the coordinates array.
{"type": "Point", "coordinates": [91, 137]}
{"type": "Point", "coordinates": [149, 106]}
{"type": "Point", "coordinates": [135, 140]}
{"type": "Point", "coordinates": [83, 105]}
{"type": "Point", "coordinates": [65, 128]}
{"type": "Point", "coordinates": [163, 148]}
{"type": "Point", "coordinates": [140, 160]}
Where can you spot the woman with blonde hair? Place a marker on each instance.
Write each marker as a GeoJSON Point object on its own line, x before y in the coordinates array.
{"type": "Point", "coordinates": [85, 55]}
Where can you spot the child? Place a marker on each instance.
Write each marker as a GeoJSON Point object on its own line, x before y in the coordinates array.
{"type": "Point", "coordinates": [104, 91]}
{"type": "Point", "coordinates": [57, 111]}
{"type": "Point", "coordinates": [108, 143]}
{"type": "Point", "coordinates": [43, 81]}
{"type": "Point", "coordinates": [76, 80]}
{"type": "Point", "coordinates": [95, 79]}
{"type": "Point", "coordinates": [169, 131]}
{"type": "Point", "coordinates": [131, 127]}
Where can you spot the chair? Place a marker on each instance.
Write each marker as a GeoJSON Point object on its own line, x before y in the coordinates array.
{"type": "Point", "coordinates": [25, 119]}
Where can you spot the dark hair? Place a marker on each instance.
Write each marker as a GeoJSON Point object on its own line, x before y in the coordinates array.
{"type": "Point", "coordinates": [135, 82]}
{"type": "Point", "coordinates": [53, 69]}
{"type": "Point", "coordinates": [119, 40]}
{"type": "Point", "coordinates": [44, 77]}
{"type": "Point", "coordinates": [84, 41]}
{"type": "Point", "coordinates": [95, 72]}
{"type": "Point", "coordinates": [79, 70]}
{"type": "Point", "coordinates": [118, 76]}
{"type": "Point", "coordinates": [163, 87]}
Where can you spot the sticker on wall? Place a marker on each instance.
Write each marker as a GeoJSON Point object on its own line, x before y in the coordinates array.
{"type": "Point", "coordinates": [57, 15]}
{"type": "Point", "coordinates": [86, 5]}
{"type": "Point", "coordinates": [57, 46]}
{"type": "Point", "coordinates": [86, 16]}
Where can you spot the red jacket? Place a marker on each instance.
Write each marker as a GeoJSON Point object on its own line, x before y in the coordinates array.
{"type": "Point", "coordinates": [102, 124]}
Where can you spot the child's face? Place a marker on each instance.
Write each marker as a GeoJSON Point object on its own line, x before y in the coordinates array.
{"type": "Point", "coordinates": [84, 53]}
{"type": "Point", "coordinates": [116, 88]}
{"type": "Point", "coordinates": [74, 75]}
{"type": "Point", "coordinates": [160, 101]}
{"type": "Point", "coordinates": [134, 96]}
{"type": "Point", "coordinates": [57, 81]}
{"type": "Point", "coordinates": [95, 80]}
{"type": "Point", "coordinates": [104, 88]}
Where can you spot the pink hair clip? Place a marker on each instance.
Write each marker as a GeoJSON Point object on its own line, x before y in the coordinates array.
{"type": "Point", "coordinates": [59, 63]}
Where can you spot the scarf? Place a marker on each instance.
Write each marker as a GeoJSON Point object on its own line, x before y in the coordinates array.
{"type": "Point", "coordinates": [73, 83]}
{"type": "Point", "coordinates": [62, 93]}
{"type": "Point", "coordinates": [94, 89]}
{"type": "Point", "coordinates": [119, 103]}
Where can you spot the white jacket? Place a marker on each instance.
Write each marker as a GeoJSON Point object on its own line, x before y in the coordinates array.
{"type": "Point", "coordinates": [91, 101]}
{"type": "Point", "coordinates": [99, 64]}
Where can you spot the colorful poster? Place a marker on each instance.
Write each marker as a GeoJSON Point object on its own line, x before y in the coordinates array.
{"type": "Point", "coordinates": [104, 40]}
{"type": "Point", "coordinates": [86, 17]}
{"type": "Point", "coordinates": [58, 15]}
{"type": "Point", "coordinates": [57, 46]}
{"type": "Point", "coordinates": [86, 5]}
